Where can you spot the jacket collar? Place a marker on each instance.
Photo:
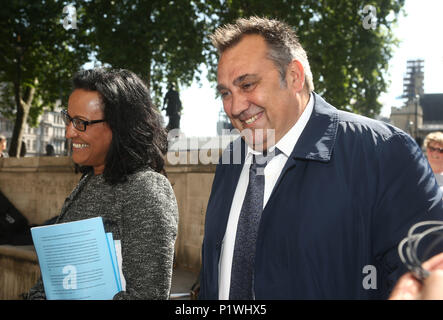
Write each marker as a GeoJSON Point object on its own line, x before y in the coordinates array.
{"type": "Point", "coordinates": [318, 138]}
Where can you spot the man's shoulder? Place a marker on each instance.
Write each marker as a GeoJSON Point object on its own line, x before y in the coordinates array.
{"type": "Point", "coordinates": [348, 121]}
{"type": "Point", "coordinates": [361, 125]}
{"type": "Point", "coordinates": [378, 138]}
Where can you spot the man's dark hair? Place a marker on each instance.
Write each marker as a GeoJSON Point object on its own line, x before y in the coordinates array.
{"type": "Point", "coordinates": [281, 39]}
{"type": "Point", "coordinates": [138, 138]}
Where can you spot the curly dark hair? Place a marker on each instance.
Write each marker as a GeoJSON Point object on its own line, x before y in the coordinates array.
{"type": "Point", "coordinates": [138, 138]}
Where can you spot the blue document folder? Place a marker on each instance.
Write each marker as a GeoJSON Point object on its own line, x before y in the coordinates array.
{"type": "Point", "coordinates": [77, 260]}
{"type": "Point", "coordinates": [111, 246]}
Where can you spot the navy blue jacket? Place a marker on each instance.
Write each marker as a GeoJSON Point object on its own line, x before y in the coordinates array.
{"type": "Point", "coordinates": [349, 192]}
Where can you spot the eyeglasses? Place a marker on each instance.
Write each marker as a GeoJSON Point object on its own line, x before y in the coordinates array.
{"type": "Point", "coordinates": [432, 149]}
{"type": "Point", "coordinates": [79, 124]}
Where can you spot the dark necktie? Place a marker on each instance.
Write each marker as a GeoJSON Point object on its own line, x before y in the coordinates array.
{"type": "Point", "coordinates": [242, 272]}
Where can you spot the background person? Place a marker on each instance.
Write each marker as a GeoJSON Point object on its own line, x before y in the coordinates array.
{"type": "Point", "coordinates": [23, 149]}
{"type": "Point", "coordinates": [50, 151]}
{"type": "Point", "coordinates": [339, 195]}
{"type": "Point", "coordinates": [434, 151]}
{"type": "Point", "coordinates": [119, 144]}
{"type": "Point", "coordinates": [3, 153]}
{"type": "Point", "coordinates": [173, 107]}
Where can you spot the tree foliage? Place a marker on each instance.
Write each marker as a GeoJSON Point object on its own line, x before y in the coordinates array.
{"type": "Point", "coordinates": [161, 41]}
{"type": "Point", "coordinates": [167, 41]}
{"type": "Point", "coordinates": [38, 58]}
{"type": "Point", "coordinates": [348, 61]}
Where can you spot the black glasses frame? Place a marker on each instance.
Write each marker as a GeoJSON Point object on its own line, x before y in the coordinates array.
{"type": "Point", "coordinates": [79, 124]}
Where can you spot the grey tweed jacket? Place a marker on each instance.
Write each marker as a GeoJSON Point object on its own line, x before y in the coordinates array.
{"type": "Point", "coordinates": [143, 214]}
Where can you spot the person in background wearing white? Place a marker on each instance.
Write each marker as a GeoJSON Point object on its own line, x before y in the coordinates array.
{"type": "Point", "coordinates": [409, 288]}
{"type": "Point", "coordinates": [3, 154]}
{"type": "Point", "coordinates": [434, 152]}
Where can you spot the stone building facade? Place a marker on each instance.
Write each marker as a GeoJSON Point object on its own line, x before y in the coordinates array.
{"type": "Point", "coordinates": [51, 130]}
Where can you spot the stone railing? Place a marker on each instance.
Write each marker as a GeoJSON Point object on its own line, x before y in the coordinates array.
{"type": "Point", "coordinates": [19, 271]}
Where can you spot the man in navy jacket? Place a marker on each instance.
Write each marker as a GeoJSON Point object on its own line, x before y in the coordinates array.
{"type": "Point", "coordinates": [338, 199]}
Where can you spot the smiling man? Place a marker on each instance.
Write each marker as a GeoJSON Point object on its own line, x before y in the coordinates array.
{"type": "Point", "coordinates": [334, 200]}
{"type": "Point", "coordinates": [254, 97]}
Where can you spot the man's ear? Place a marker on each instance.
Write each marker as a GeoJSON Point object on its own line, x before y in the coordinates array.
{"type": "Point", "coordinates": [296, 75]}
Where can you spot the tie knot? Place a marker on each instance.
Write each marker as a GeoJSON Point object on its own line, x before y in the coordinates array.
{"type": "Point", "coordinates": [260, 161]}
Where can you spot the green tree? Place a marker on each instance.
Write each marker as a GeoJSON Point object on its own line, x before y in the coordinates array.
{"type": "Point", "coordinates": [167, 41]}
{"type": "Point", "coordinates": [38, 57]}
{"type": "Point", "coordinates": [161, 41]}
{"type": "Point", "coordinates": [348, 61]}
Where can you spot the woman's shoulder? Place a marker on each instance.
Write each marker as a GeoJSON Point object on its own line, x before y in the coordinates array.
{"type": "Point", "coordinates": [147, 176]}
{"type": "Point", "coordinates": [147, 188]}
{"type": "Point", "coordinates": [146, 180]}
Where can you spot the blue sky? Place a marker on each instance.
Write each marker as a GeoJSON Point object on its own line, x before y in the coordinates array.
{"type": "Point", "coordinates": [420, 33]}
{"type": "Point", "coordinates": [421, 38]}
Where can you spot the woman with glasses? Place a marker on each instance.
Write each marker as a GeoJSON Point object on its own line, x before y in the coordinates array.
{"type": "Point", "coordinates": [434, 151]}
{"type": "Point", "coordinates": [118, 141]}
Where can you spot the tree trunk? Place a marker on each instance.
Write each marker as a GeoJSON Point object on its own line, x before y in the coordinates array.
{"type": "Point", "coordinates": [23, 107]}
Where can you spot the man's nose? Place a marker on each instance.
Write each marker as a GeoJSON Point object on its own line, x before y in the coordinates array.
{"type": "Point", "coordinates": [239, 103]}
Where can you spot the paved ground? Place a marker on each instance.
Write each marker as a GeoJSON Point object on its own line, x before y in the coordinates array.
{"type": "Point", "coordinates": [182, 281]}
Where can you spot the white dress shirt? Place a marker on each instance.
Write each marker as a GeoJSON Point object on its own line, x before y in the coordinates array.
{"type": "Point", "coordinates": [272, 172]}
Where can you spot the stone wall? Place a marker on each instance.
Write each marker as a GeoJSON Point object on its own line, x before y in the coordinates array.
{"type": "Point", "coordinates": [19, 271]}
{"type": "Point", "coordinates": [38, 186]}
{"type": "Point", "coordinates": [192, 186]}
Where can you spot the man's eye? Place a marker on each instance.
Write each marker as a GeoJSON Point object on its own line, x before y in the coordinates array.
{"type": "Point", "coordinates": [224, 94]}
{"type": "Point", "coordinates": [247, 86]}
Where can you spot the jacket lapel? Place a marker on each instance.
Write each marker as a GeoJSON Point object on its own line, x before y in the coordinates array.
{"type": "Point", "coordinates": [317, 139]}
